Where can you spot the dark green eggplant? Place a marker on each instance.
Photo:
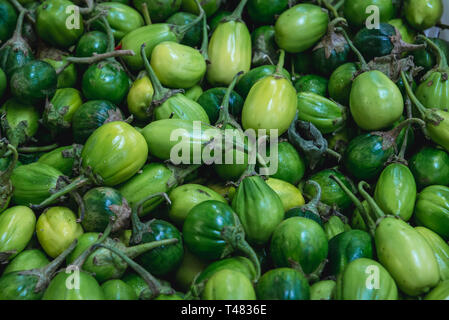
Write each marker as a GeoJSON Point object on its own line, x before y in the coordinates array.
{"type": "Point", "coordinates": [117, 289]}
{"type": "Point", "coordinates": [159, 10]}
{"type": "Point", "coordinates": [209, 6]}
{"type": "Point", "coordinates": [8, 20]}
{"type": "Point", "coordinates": [291, 165]}
{"type": "Point", "coordinates": [340, 82]}
{"type": "Point", "coordinates": [302, 63]}
{"type": "Point", "coordinates": [192, 37]}
{"type": "Point", "coordinates": [430, 166]}
{"type": "Point", "coordinates": [92, 115]}
{"type": "Point", "coordinates": [283, 284]}
{"type": "Point", "coordinates": [33, 82]}
{"type": "Point", "coordinates": [66, 78]}
{"type": "Point", "coordinates": [265, 11]}
{"type": "Point", "coordinates": [6, 170]}
{"type": "Point", "coordinates": [426, 58]}
{"type": "Point", "coordinates": [90, 43]}
{"type": "Point", "coordinates": [335, 226]}
{"type": "Point", "coordinates": [355, 11]}
{"type": "Point", "coordinates": [211, 101]}
{"type": "Point", "coordinates": [264, 46]}
{"type": "Point", "coordinates": [349, 246]}
{"type": "Point", "coordinates": [312, 83]}
{"type": "Point", "coordinates": [15, 52]}
{"type": "Point", "coordinates": [308, 210]}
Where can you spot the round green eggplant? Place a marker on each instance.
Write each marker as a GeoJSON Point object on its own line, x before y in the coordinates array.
{"type": "Point", "coordinates": [347, 247]}
{"type": "Point", "coordinates": [259, 209]}
{"type": "Point", "coordinates": [340, 83]}
{"type": "Point", "coordinates": [212, 99]}
{"type": "Point", "coordinates": [291, 166]}
{"type": "Point", "coordinates": [62, 159]}
{"type": "Point", "coordinates": [59, 111]}
{"type": "Point", "coordinates": [27, 260]}
{"type": "Point", "coordinates": [68, 77]}
{"type": "Point", "coordinates": [86, 288]}
{"type": "Point", "coordinates": [365, 279]}
{"type": "Point", "coordinates": [159, 10]}
{"type": "Point", "coordinates": [193, 37]}
{"type": "Point", "coordinates": [323, 290]}
{"type": "Point", "coordinates": [423, 14]}
{"type": "Point", "coordinates": [209, 6]}
{"type": "Point", "coordinates": [430, 166]}
{"type": "Point", "coordinates": [312, 83]}
{"type": "Point", "coordinates": [300, 27]}
{"type": "Point", "coordinates": [335, 226]}
{"type": "Point", "coordinates": [283, 284]}
{"type": "Point", "coordinates": [377, 42]}
{"type": "Point", "coordinates": [8, 20]}
{"type": "Point", "coordinates": [299, 240]}
{"type": "Point", "coordinates": [432, 209]}
{"type": "Point", "coordinates": [395, 191]}
{"type": "Point", "coordinates": [118, 290]}
{"type": "Point", "coordinates": [228, 285]}
{"type": "Point", "coordinates": [90, 43]}
{"type": "Point", "coordinates": [92, 115]}
{"type": "Point", "coordinates": [264, 46]}
{"type": "Point", "coordinates": [355, 11]}
{"type": "Point", "coordinates": [33, 82]}
{"type": "Point", "coordinates": [58, 24]}
{"type": "Point", "coordinates": [265, 11]}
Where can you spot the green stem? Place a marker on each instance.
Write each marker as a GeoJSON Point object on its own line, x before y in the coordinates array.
{"type": "Point", "coordinates": [110, 34]}
{"type": "Point", "coordinates": [137, 250]}
{"type": "Point", "coordinates": [225, 117]}
{"type": "Point", "coordinates": [76, 184]}
{"type": "Point", "coordinates": [37, 149]}
{"type": "Point", "coordinates": [205, 42]}
{"type": "Point", "coordinates": [180, 31]}
{"type": "Point", "coordinates": [331, 8]}
{"type": "Point", "coordinates": [21, 9]}
{"type": "Point", "coordinates": [98, 57]}
{"type": "Point", "coordinates": [338, 5]}
{"type": "Point", "coordinates": [247, 250]}
{"type": "Point", "coordinates": [365, 214]}
{"type": "Point", "coordinates": [15, 158]}
{"type": "Point", "coordinates": [334, 154]}
{"type": "Point", "coordinates": [146, 14]}
{"type": "Point", "coordinates": [154, 284]}
{"type": "Point", "coordinates": [375, 209]}
{"type": "Point", "coordinates": [237, 14]}
{"type": "Point", "coordinates": [280, 64]}
{"type": "Point", "coordinates": [314, 201]}
{"type": "Point", "coordinates": [160, 93]}
{"type": "Point", "coordinates": [364, 65]}
{"type": "Point", "coordinates": [441, 57]}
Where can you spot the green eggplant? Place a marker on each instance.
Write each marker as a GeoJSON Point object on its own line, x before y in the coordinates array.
{"type": "Point", "coordinates": [212, 231]}
{"type": "Point", "coordinates": [340, 83]}
{"type": "Point", "coordinates": [166, 103]}
{"type": "Point", "coordinates": [331, 192]}
{"type": "Point", "coordinates": [3, 83]}
{"type": "Point", "coordinates": [426, 58]}
{"type": "Point", "coordinates": [228, 285]}
{"type": "Point", "coordinates": [216, 18]}
{"type": "Point", "coordinates": [63, 159]}
{"type": "Point", "coordinates": [440, 292]}
{"type": "Point", "coordinates": [68, 77]}
{"type": "Point", "coordinates": [15, 52]}
{"type": "Point", "coordinates": [291, 165]}
{"type": "Point", "coordinates": [312, 83]}
{"type": "Point", "coordinates": [190, 267]}
{"type": "Point", "coordinates": [271, 103]}
{"type": "Point", "coordinates": [177, 65]}
{"type": "Point", "coordinates": [55, 24]}
{"type": "Point", "coordinates": [408, 34]}
{"type": "Point", "coordinates": [90, 43]}
{"type": "Point", "coordinates": [34, 182]}
{"type": "Point", "coordinates": [184, 198]}
{"type": "Point", "coordinates": [283, 284]}
{"type": "Point", "coordinates": [347, 247]}
{"type": "Point", "coordinates": [7, 166]}
{"type": "Point", "coordinates": [105, 80]}
{"type": "Point", "coordinates": [121, 18]}
{"type": "Point", "coordinates": [334, 227]}
{"type": "Point", "coordinates": [151, 36]}
{"type": "Point", "coordinates": [365, 279]}
{"type": "Point", "coordinates": [264, 46]}
{"type": "Point", "coordinates": [21, 121]}
{"type": "Point", "coordinates": [140, 96]}
{"type": "Point", "coordinates": [59, 111]}
{"type": "Point", "coordinates": [56, 229]}
{"type": "Point", "coordinates": [159, 10]}
{"type": "Point", "coordinates": [209, 6]}
{"type": "Point", "coordinates": [302, 63]}
{"type": "Point", "coordinates": [211, 101]}
{"type": "Point", "coordinates": [194, 93]}
{"type": "Point", "coordinates": [332, 51]}
{"type": "Point", "coordinates": [414, 268]}
{"type": "Point", "coordinates": [302, 241]}
{"type": "Point", "coordinates": [152, 179]}
{"type": "Point", "coordinates": [117, 289]}
{"type": "Point", "coordinates": [323, 113]}
{"type": "Point", "coordinates": [355, 11]}
{"type": "Point", "coordinates": [375, 101]}
{"type": "Point", "coordinates": [382, 41]}
{"type": "Point", "coordinates": [395, 191]}
{"type": "Point", "coordinates": [33, 82]}
{"type": "Point", "coordinates": [249, 79]}
{"type": "Point", "coordinates": [265, 11]}
{"type": "Point", "coordinates": [430, 166]}
{"type": "Point", "coordinates": [101, 204]}
{"type": "Point", "coordinates": [229, 49]}
{"type": "Point", "coordinates": [432, 209]}
{"type": "Point", "coordinates": [323, 290]}
{"type": "Point", "coordinates": [291, 197]}
{"type": "Point", "coordinates": [88, 288]}
{"type": "Point", "coordinates": [259, 209]}
{"type": "Point", "coordinates": [300, 27]}
{"type": "Point", "coordinates": [30, 284]}
{"type": "Point", "coordinates": [92, 115]}
{"type": "Point", "coordinates": [27, 260]}
{"type": "Point", "coordinates": [433, 92]}
{"type": "Point", "coordinates": [440, 249]}
{"type": "Point", "coordinates": [192, 38]}
{"type": "Point", "coordinates": [423, 15]}
{"type": "Point", "coordinates": [16, 229]}
{"type": "Point", "coordinates": [8, 21]}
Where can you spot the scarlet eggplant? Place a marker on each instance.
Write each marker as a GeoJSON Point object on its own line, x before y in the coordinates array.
{"type": "Point", "coordinates": [300, 27]}
{"type": "Point", "coordinates": [259, 209]}
{"type": "Point", "coordinates": [271, 103]}
{"type": "Point", "coordinates": [88, 288]}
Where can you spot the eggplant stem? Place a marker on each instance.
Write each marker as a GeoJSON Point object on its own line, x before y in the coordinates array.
{"type": "Point", "coordinates": [441, 57]}
{"type": "Point", "coordinates": [205, 42]}
{"type": "Point", "coordinates": [225, 117]}
{"type": "Point", "coordinates": [364, 65]}
{"type": "Point", "coordinates": [102, 56]}
{"type": "Point", "coordinates": [180, 31]}
{"type": "Point", "coordinates": [37, 149]}
{"type": "Point", "coordinates": [146, 14]}
{"type": "Point", "coordinates": [331, 8]}
{"type": "Point", "coordinates": [236, 15]}
{"type": "Point", "coordinates": [21, 9]}
{"type": "Point", "coordinates": [375, 209]}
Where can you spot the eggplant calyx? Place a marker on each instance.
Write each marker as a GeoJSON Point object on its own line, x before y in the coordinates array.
{"type": "Point", "coordinates": [332, 40]}
{"type": "Point", "coordinates": [122, 214]}
{"type": "Point", "coordinates": [400, 46]}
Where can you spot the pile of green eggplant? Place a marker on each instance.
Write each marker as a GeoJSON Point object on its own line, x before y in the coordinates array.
{"type": "Point", "coordinates": [94, 207]}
